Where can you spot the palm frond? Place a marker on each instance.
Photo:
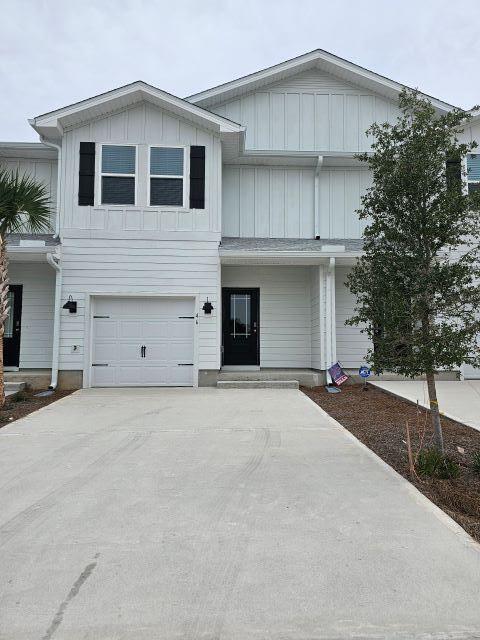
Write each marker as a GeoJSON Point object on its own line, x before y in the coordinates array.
{"type": "Point", "coordinates": [24, 204]}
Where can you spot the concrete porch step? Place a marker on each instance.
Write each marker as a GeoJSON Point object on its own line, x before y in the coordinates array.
{"type": "Point", "coordinates": [305, 377]}
{"type": "Point", "coordinates": [257, 384]}
{"type": "Point", "coordinates": [13, 387]}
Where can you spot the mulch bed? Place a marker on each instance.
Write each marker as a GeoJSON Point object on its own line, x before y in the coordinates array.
{"type": "Point", "coordinates": [378, 419]}
{"type": "Point", "coordinates": [24, 402]}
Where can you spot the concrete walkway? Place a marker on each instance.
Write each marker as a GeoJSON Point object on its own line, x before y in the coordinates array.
{"type": "Point", "coordinates": [214, 514]}
{"type": "Point", "coordinates": [459, 400]}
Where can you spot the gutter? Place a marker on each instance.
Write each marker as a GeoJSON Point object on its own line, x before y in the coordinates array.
{"type": "Point", "coordinates": [54, 261]}
{"type": "Point", "coordinates": [59, 169]}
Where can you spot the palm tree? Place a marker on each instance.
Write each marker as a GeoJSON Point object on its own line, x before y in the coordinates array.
{"type": "Point", "coordinates": [24, 207]}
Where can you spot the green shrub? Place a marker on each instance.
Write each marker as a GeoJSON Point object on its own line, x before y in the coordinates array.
{"type": "Point", "coordinates": [476, 461]}
{"type": "Point", "coordinates": [432, 463]}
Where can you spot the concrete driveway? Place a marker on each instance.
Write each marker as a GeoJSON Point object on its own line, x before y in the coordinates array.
{"type": "Point", "coordinates": [215, 514]}
{"type": "Point", "coordinates": [459, 400]}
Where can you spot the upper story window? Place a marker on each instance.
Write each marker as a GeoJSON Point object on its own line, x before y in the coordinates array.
{"type": "Point", "coordinates": [473, 172]}
{"type": "Point", "coordinates": [167, 176]}
{"type": "Point", "coordinates": [118, 173]}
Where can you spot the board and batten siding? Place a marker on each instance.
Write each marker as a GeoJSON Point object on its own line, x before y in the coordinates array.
{"type": "Point", "coordinates": [352, 345]}
{"type": "Point", "coordinates": [41, 169]}
{"type": "Point", "coordinates": [312, 111]}
{"type": "Point", "coordinates": [36, 338]}
{"type": "Point", "coordinates": [134, 267]}
{"type": "Point", "coordinates": [268, 202]}
{"type": "Point", "coordinates": [279, 202]}
{"type": "Point", "coordinates": [285, 311]}
{"type": "Point", "coordinates": [143, 125]}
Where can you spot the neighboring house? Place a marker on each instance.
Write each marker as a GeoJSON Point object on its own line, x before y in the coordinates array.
{"type": "Point", "coordinates": [191, 235]}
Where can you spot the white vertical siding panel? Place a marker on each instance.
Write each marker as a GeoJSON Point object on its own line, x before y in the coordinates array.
{"type": "Point", "coordinates": [262, 203]}
{"type": "Point", "coordinates": [248, 119]}
{"type": "Point", "coordinates": [366, 117]}
{"type": "Point", "coordinates": [277, 120]}
{"type": "Point", "coordinates": [285, 311]}
{"type": "Point", "coordinates": [293, 209]}
{"type": "Point", "coordinates": [352, 203]}
{"type": "Point", "coordinates": [231, 202]}
{"type": "Point", "coordinates": [307, 122]}
{"type": "Point", "coordinates": [351, 122]}
{"type": "Point", "coordinates": [322, 122]}
{"type": "Point", "coordinates": [307, 204]}
{"type": "Point", "coordinates": [341, 114]}
{"type": "Point", "coordinates": [325, 204]}
{"type": "Point", "coordinates": [381, 110]}
{"type": "Point", "coordinates": [337, 116]}
{"type": "Point", "coordinates": [267, 202]}
{"type": "Point", "coordinates": [118, 126]}
{"type": "Point", "coordinates": [233, 111]}
{"type": "Point", "coordinates": [292, 121]}
{"type": "Point", "coordinates": [136, 123]}
{"type": "Point", "coordinates": [338, 204]}
{"type": "Point", "coordinates": [153, 123]}
{"type": "Point", "coordinates": [247, 203]}
{"type": "Point", "coordinates": [262, 120]}
{"type": "Point", "coordinates": [277, 203]}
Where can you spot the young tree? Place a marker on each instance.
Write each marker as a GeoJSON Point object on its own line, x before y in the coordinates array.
{"type": "Point", "coordinates": [417, 284]}
{"type": "Point", "coordinates": [24, 207]}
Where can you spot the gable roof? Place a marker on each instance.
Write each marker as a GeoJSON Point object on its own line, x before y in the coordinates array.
{"type": "Point", "coordinates": [52, 124]}
{"type": "Point", "coordinates": [320, 59]}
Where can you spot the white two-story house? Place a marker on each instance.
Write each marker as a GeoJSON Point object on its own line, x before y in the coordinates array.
{"type": "Point", "coordinates": [196, 236]}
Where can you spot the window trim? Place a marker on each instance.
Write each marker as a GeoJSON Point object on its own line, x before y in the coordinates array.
{"type": "Point", "coordinates": [185, 177]}
{"type": "Point", "coordinates": [467, 180]}
{"type": "Point", "coordinates": [101, 174]}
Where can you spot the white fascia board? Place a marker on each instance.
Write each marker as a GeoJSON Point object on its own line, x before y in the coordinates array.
{"type": "Point", "coordinates": [226, 255]}
{"type": "Point", "coordinates": [323, 59]}
{"type": "Point", "coordinates": [105, 103]}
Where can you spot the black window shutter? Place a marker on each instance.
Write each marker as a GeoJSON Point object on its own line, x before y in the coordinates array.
{"type": "Point", "coordinates": [86, 174]}
{"type": "Point", "coordinates": [454, 174]}
{"type": "Point", "coordinates": [197, 177]}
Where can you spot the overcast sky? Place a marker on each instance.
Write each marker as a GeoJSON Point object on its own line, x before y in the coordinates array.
{"type": "Point", "coordinates": [53, 53]}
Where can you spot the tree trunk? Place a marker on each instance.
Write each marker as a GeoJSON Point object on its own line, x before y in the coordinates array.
{"type": "Point", "coordinates": [434, 412]}
{"type": "Point", "coordinates": [3, 311]}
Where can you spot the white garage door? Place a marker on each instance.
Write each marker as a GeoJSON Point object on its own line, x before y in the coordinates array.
{"type": "Point", "coordinates": [143, 342]}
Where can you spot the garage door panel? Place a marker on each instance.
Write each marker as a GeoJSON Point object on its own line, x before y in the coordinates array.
{"type": "Point", "coordinates": [129, 329]}
{"type": "Point", "coordinates": [165, 326]}
{"type": "Point", "coordinates": [103, 328]}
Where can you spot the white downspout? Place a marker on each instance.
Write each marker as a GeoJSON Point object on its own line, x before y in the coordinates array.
{"type": "Point", "coordinates": [55, 263]}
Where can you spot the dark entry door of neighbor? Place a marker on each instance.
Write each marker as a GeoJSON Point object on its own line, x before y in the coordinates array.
{"type": "Point", "coordinates": [241, 327]}
{"type": "Point", "coordinates": [11, 336]}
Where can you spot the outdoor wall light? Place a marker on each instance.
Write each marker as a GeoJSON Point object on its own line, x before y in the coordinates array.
{"type": "Point", "coordinates": [71, 305]}
{"type": "Point", "coordinates": [207, 307]}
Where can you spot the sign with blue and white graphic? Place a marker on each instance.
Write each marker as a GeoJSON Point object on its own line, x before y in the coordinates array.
{"type": "Point", "coordinates": [364, 372]}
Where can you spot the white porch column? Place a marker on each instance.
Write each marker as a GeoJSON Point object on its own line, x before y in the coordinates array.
{"type": "Point", "coordinates": [328, 321]}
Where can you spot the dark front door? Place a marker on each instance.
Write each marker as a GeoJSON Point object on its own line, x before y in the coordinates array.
{"type": "Point", "coordinates": [241, 327]}
{"type": "Point", "coordinates": [11, 335]}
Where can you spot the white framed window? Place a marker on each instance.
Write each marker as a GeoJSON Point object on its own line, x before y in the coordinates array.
{"type": "Point", "coordinates": [167, 185]}
{"type": "Point", "coordinates": [118, 174]}
{"type": "Point", "coordinates": [473, 172]}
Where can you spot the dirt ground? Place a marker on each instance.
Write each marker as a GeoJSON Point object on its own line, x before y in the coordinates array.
{"type": "Point", "coordinates": [378, 419]}
{"type": "Point", "coordinates": [23, 403]}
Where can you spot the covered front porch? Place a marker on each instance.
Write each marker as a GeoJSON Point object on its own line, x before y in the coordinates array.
{"type": "Point", "coordinates": [284, 309]}
{"type": "Point", "coordinates": [29, 328]}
